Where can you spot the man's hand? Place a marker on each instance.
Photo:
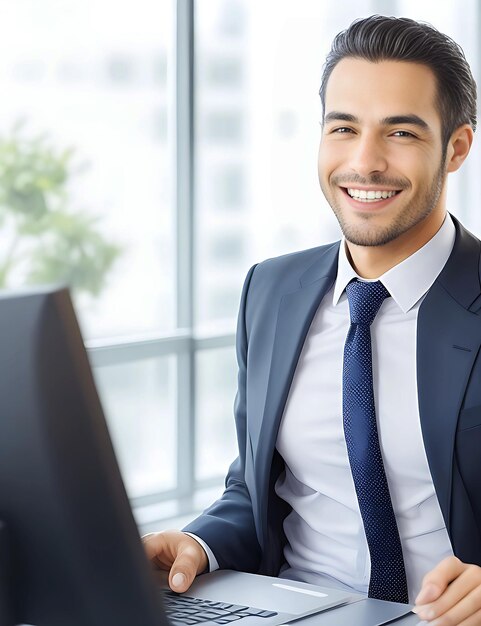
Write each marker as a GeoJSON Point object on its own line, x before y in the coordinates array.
{"type": "Point", "coordinates": [451, 595]}
{"type": "Point", "coordinates": [177, 553]}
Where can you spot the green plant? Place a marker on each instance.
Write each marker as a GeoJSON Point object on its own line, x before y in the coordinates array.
{"type": "Point", "coordinates": [43, 237]}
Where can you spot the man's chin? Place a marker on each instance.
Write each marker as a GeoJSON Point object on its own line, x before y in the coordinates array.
{"type": "Point", "coordinates": [369, 236]}
{"type": "Point", "coordinates": [365, 233]}
{"type": "Point", "coordinates": [368, 241]}
{"type": "Point", "coordinates": [371, 230]}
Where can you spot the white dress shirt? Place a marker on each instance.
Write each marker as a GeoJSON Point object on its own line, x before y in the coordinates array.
{"type": "Point", "coordinates": [326, 540]}
{"type": "Point", "coordinates": [326, 543]}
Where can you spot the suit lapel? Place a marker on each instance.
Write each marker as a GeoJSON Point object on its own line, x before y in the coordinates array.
{"type": "Point", "coordinates": [295, 314]}
{"type": "Point", "coordinates": [448, 340]}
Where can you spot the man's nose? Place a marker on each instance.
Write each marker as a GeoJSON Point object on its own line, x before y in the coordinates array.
{"type": "Point", "coordinates": [368, 156]}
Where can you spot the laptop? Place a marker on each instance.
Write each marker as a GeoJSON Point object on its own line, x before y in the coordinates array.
{"type": "Point", "coordinates": [70, 550]}
{"type": "Point", "coordinates": [224, 596]}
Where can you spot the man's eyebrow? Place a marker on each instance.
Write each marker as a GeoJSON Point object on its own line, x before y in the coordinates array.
{"type": "Point", "coordinates": [413, 120]}
{"type": "Point", "coordinates": [336, 116]}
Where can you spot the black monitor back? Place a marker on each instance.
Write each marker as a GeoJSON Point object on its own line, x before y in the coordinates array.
{"type": "Point", "coordinates": [76, 557]}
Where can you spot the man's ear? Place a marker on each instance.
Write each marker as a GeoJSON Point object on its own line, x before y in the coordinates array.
{"type": "Point", "coordinates": [458, 147]}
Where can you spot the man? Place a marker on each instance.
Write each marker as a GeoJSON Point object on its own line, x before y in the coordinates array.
{"type": "Point", "coordinates": [358, 410]}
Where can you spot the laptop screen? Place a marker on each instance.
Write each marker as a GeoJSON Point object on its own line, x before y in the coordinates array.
{"type": "Point", "coordinates": [75, 557]}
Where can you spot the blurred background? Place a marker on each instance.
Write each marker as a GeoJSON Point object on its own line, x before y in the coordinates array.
{"type": "Point", "coordinates": [150, 153]}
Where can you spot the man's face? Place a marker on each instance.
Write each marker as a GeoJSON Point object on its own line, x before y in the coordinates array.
{"type": "Point", "coordinates": [381, 166]}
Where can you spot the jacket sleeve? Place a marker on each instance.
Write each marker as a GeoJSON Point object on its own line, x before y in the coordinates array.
{"type": "Point", "coordinates": [227, 526]}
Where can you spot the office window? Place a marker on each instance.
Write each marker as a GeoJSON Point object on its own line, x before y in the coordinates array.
{"type": "Point", "coordinates": [86, 191]}
{"type": "Point", "coordinates": [140, 397]}
{"type": "Point", "coordinates": [83, 130]}
{"type": "Point", "coordinates": [216, 386]}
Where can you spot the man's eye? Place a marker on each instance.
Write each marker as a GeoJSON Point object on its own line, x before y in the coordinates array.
{"type": "Point", "coordinates": [403, 133]}
{"type": "Point", "coordinates": [342, 129]}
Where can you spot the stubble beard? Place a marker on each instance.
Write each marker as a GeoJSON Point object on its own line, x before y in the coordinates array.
{"type": "Point", "coordinates": [414, 213]}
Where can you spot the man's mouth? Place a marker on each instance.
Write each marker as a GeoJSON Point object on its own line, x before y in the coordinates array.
{"type": "Point", "coordinates": [371, 195]}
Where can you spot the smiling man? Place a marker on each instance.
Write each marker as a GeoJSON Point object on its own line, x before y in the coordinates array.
{"type": "Point", "coordinates": [383, 158]}
{"type": "Point", "coordinates": [358, 410]}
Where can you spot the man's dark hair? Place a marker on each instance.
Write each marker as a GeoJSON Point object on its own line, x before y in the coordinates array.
{"type": "Point", "coordinates": [380, 38]}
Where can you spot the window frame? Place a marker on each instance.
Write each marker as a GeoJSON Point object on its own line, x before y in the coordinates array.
{"type": "Point", "coordinates": [182, 343]}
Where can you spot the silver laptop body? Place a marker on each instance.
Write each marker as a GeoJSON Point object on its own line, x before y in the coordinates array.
{"type": "Point", "coordinates": [289, 600]}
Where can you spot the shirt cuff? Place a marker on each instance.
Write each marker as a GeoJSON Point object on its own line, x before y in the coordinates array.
{"type": "Point", "coordinates": [213, 565]}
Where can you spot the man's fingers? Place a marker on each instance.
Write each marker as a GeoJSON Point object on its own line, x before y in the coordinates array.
{"type": "Point", "coordinates": [436, 581]}
{"type": "Point", "coordinates": [460, 601]}
{"type": "Point", "coordinates": [452, 597]}
{"type": "Point", "coordinates": [429, 593]}
{"type": "Point", "coordinates": [158, 549]}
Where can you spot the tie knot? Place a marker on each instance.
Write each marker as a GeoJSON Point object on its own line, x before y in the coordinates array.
{"type": "Point", "coordinates": [365, 300]}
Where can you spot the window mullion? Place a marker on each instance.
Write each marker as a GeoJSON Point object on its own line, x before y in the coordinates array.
{"type": "Point", "coordinates": [184, 184]}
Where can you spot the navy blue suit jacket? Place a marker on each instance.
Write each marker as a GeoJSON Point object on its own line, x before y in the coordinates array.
{"type": "Point", "coordinates": [244, 528]}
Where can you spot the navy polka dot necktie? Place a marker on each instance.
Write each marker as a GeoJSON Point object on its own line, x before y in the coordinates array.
{"type": "Point", "coordinates": [388, 576]}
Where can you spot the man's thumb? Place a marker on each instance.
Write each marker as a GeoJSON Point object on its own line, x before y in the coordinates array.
{"type": "Point", "coordinates": [183, 571]}
{"type": "Point", "coordinates": [179, 582]}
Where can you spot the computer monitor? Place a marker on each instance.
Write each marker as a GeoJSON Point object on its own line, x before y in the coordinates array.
{"type": "Point", "coordinates": [75, 554]}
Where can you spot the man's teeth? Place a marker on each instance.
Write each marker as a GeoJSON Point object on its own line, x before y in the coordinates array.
{"type": "Point", "coordinates": [370, 196]}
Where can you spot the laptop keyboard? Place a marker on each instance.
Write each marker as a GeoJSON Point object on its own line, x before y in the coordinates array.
{"type": "Point", "coordinates": [183, 610]}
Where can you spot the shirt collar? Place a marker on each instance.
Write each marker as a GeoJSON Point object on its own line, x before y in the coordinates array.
{"type": "Point", "coordinates": [409, 280]}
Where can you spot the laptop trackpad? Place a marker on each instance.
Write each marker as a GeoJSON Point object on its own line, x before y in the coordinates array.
{"type": "Point", "coordinates": [276, 594]}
